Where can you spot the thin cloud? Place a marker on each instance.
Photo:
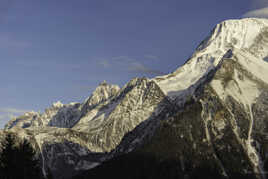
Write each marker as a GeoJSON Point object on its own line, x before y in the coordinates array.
{"type": "Point", "coordinates": [151, 57]}
{"type": "Point", "coordinates": [131, 64]}
{"type": "Point", "coordinates": [9, 113]}
{"type": "Point", "coordinates": [258, 4]}
{"type": "Point", "coordinates": [258, 9]}
{"type": "Point", "coordinates": [12, 110]}
{"type": "Point", "coordinates": [261, 13]}
{"type": "Point", "coordinates": [123, 58]}
{"type": "Point", "coordinates": [140, 68]}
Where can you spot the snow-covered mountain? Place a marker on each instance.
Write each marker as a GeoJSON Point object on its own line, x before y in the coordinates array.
{"type": "Point", "coordinates": [64, 115]}
{"type": "Point", "coordinates": [248, 34]}
{"type": "Point", "coordinates": [210, 112]}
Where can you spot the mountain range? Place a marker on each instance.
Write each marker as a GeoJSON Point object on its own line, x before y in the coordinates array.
{"type": "Point", "coordinates": [208, 118]}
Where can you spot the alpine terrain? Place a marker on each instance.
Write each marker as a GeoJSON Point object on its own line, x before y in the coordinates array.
{"type": "Point", "coordinates": [207, 119]}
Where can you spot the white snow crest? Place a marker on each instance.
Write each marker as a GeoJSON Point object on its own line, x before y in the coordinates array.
{"type": "Point", "coordinates": [230, 34]}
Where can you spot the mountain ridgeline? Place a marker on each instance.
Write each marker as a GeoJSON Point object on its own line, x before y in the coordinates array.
{"type": "Point", "coordinates": [207, 119]}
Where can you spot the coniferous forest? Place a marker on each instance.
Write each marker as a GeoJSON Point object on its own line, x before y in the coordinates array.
{"type": "Point", "coordinates": [18, 159]}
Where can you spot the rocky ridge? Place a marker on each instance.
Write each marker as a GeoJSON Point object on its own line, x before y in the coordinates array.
{"type": "Point", "coordinates": [210, 112]}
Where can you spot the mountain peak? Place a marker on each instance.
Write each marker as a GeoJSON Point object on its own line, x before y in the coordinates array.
{"type": "Point", "coordinates": [239, 33]}
{"type": "Point", "coordinates": [104, 83]}
{"type": "Point", "coordinates": [102, 93]}
{"type": "Point", "coordinates": [57, 104]}
{"type": "Point", "coordinates": [105, 89]}
{"type": "Point", "coordinates": [250, 34]}
{"type": "Point", "coordinates": [210, 112]}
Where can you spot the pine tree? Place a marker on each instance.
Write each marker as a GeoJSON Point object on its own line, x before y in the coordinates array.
{"type": "Point", "coordinates": [18, 161]}
{"type": "Point", "coordinates": [7, 156]}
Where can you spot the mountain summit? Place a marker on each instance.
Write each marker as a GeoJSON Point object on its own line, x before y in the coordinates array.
{"type": "Point", "coordinates": [209, 118]}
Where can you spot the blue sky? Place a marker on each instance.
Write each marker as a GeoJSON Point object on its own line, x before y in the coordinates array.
{"type": "Point", "coordinates": [62, 49]}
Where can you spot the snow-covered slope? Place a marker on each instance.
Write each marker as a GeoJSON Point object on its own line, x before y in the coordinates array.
{"type": "Point", "coordinates": [64, 115]}
{"type": "Point", "coordinates": [249, 34]}
{"type": "Point", "coordinates": [211, 110]}
{"type": "Point", "coordinates": [102, 93]}
{"type": "Point", "coordinates": [220, 131]}
{"type": "Point", "coordinates": [138, 101]}
{"type": "Point", "coordinates": [24, 121]}
{"type": "Point", "coordinates": [53, 116]}
{"type": "Point", "coordinates": [239, 82]}
{"type": "Point", "coordinates": [98, 126]}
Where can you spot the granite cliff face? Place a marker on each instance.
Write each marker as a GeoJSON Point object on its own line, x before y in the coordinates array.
{"type": "Point", "coordinates": [210, 115]}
